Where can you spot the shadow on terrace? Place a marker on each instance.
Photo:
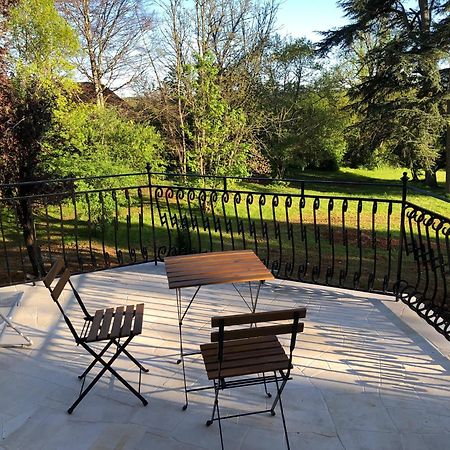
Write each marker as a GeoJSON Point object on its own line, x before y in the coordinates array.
{"type": "Point", "coordinates": [364, 376]}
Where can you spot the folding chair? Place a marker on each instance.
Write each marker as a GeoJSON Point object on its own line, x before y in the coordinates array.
{"type": "Point", "coordinates": [6, 321]}
{"type": "Point", "coordinates": [106, 325]}
{"type": "Point", "coordinates": [234, 355]}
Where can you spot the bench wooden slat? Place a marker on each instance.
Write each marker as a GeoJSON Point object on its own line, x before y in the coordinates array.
{"type": "Point", "coordinates": [253, 332]}
{"type": "Point", "coordinates": [257, 317]}
{"type": "Point", "coordinates": [126, 328]}
{"type": "Point", "coordinates": [253, 361]}
{"type": "Point", "coordinates": [96, 321]}
{"type": "Point", "coordinates": [241, 345]}
{"type": "Point", "coordinates": [53, 272]}
{"type": "Point", "coordinates": [61, 284]}
{"type": "Point", "coordinates": [244, 358]}
{"type": "Point", "coordinates": [107, 318]}
{"type": "Point", "coordinates": [249, 370]}
{"type": "Point", "coordinates": [117, 324]}
{"type": "Point", "coordinates": [138, 319]}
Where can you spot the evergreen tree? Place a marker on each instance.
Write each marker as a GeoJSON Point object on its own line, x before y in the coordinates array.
{"type": "Point", "coordinates": [400, 102]}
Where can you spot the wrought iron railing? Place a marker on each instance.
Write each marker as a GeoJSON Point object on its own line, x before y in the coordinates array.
{"type": "Point", "coordinates": [426, 287]}
{"type": "Point", "coordinates": [303, 233]}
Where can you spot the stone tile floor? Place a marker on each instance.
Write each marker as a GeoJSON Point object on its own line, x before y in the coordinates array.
{"type": "Point", "coordinates": [366, 376]}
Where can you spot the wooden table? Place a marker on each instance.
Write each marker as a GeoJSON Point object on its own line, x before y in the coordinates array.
{"type": "Point", "coordinates": [204, 269]}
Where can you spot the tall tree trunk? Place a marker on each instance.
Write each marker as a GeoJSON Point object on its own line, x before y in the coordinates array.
{"type": "Point", "coordinates": [95, 69]}
{"type": "Point", "coordinates": [447, 148]}
{"type": "Point", "coordinates": [178, 46]}
{"type": "Point", "coordinates": [26, 222]}
{"type": "Point", "coordinates": [430, 178]}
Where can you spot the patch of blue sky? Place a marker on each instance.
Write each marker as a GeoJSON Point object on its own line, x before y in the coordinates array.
{"type": "Point", "coordinates": [307, 18]}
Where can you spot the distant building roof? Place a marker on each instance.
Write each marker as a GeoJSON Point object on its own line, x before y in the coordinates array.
{"type": "Point", "coordinates": [86, 94]}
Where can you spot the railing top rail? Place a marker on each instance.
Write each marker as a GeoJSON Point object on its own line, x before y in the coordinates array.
{"type": "Point", "coordinates": [284, 180]}
{"type": "Point", "coordinates": [279, 194]}
{"type": "Point", "coordinates": [427, 211]}
{"type": "Point", "coordinates": [213, 177]}
{"type": "Point", "coordinates": [69, 180]}
{"type": "Point", "coordinates": [50, 195]}
{"type": "Point", "coordinates": [70, 193]}
{"type": "Point", "coordinates": [428, 193]}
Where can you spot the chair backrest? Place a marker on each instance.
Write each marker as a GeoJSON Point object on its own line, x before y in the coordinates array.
{"type": "Point", "coordinates": [57, 290]}
{"type": "Point", "coordinates": [293, 327]}
{"type": "Point", "coordinates": [57, 267]}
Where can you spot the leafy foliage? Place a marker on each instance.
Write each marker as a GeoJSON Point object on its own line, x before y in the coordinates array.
{"type": "Point", "coordinates": [88, 140]}
{"type": "Point", "coordinates": [215, 129]}
{"type": "Point", "coordinates": [399, 95]}
{"type": "Point", "coordinates": [42, 42]}
{"type": "Point", "coordinates": [39, 43]}
{"type": "Point", "coordinates": [304, 105]}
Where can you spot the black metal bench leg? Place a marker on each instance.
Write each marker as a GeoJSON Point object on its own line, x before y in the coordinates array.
{"type": "Point", "coordinates": [277, 398]}
{"type": "Point", "coordinates": [216, 408]}
{"type": "Point", "coordinates": [107, 366]}
{"type": "Point", "coordinates": [132, 358]}
{"type": "Point", "coordinates": [211, 421]}
{"type": "Point", "coordinates": [279, 392]}
{"type": "Point", "coordinates": [94, 362]}
{"type": "Point", "coordinates": [269, 395]}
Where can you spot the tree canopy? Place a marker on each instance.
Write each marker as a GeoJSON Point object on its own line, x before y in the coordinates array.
{"type": "Point", "coordinates": [399, 95]}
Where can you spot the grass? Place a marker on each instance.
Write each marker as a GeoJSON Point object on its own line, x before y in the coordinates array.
{"type": "Point", "coordinates": [379, 176]}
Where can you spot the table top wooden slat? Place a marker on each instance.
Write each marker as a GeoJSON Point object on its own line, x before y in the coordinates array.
{"type": "Point", "coordinates": [216, 262]}
{"type": "Point", "coordinates": [226, 273]}
{"type": "Point", "coordinates": [214, 268]}
{"type": "Point", "coordinates": [212, 255]}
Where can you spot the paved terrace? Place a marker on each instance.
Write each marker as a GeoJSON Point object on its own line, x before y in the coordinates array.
{"type": "Point", "coordinates": [365, 376]}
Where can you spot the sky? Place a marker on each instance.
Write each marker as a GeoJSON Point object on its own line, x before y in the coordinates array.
{"type": "Point", "coordinates": [304, 18]}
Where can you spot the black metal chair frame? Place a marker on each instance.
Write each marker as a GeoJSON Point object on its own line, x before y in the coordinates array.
{"type": "Point", "coordinates": [81, 339]}
{"type": "Point", "coordinates": [279, 377]}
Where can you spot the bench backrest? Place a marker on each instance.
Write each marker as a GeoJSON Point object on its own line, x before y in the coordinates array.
{"type": "Point", "coordinates": [293, 327]}
{"type": "Point", "coordinates": [57, 290]}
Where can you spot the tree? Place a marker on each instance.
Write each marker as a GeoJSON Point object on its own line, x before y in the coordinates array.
{"type": "Point", "coordinates": [110, 32]}
{"type": "Point", "coordinates": [215, 129]}
{"type": "Point", "coordinates": [234, 34]}
{"type": "Point", "coordinates": [40, 41]}
{"type": "Point", "coordinates": [7, 142]}
{"type": "Point", "coordinates": [400, 102]}
{"type": "Point", "coordinates": [88, 140]}
{"type": "Point", "coordinates": [303, 105]}
{"type": "Point", "coordinates": [446, 78]}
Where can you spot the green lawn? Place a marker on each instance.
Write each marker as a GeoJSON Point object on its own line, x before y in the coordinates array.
{"type": "Point", "coordinates": [379, 175]}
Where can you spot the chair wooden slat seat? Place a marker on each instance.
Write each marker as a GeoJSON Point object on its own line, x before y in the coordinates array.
{"type": "Point", "coordinates": [245, 357]}
{"type": "Point", "coordinates": [110, 323]}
